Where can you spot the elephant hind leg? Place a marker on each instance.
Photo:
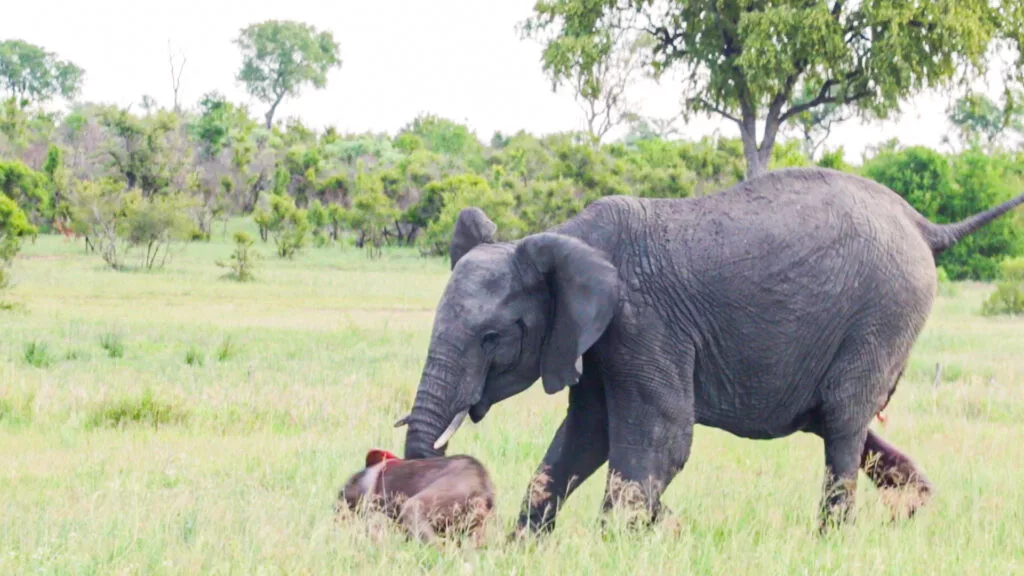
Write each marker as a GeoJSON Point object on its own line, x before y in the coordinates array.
{"type": "Point", "coordinates": [902, 484]}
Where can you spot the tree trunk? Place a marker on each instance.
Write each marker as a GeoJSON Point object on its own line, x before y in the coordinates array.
{"type": "Point", "coordinates": [758, 156]}
{"type": "Point", "coordinates": [270, 113]}
{"type": "Point", "coordinates": [755, 166]}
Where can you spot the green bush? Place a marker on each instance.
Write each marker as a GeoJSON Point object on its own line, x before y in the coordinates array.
{"type": "Point", "coordinates": [464, 191]}
{"type": "Point", "coordinates": [982, 182]}
{"type": "Point", "coordinates": [28, 189]}
{"type": "Point", "coordinates": [946, 286]}
{"type": "Point", "coordinates": [836, 160]}
{"type": "Point", "coordinates": [153, 224]}
{"type": "Point", "coordinates": [14, 226]}
{"type": "Point", "coordinates": [288, 225]}
{"type": "Point", "coordinates": [339, 219]}
{"type": "Point", "coordinates": [542, 205]}
{"type": "Point", "coordinates": [1009, 295]}
{"type": "Point", "coordinates": [242, 263]}
{"type": "Point", "coordinates": [118, 220]}
{"type": "Point", "coordinates": [318, 219]}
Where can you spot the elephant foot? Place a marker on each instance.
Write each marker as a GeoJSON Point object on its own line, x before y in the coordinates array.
{"type": "Point", "coordinates": [631, 505]}
{"type": "Point", "coordinates": [532, 526]}
{"type": "Point", "coordinates": [903, 487]}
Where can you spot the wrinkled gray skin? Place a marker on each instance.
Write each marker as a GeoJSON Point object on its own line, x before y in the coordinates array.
{"type": "Point", "coordinates": [786, 303]}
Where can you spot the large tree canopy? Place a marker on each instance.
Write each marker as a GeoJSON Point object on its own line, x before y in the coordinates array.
{"type": "Point", "coordinates": [769, 61]}
{"type": "Point", "coordinates": [30, 73]}
{"type": "Point", "coordinates": [279, 57]}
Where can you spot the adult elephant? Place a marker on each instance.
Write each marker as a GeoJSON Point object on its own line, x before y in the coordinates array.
{"type": "Point", "coordinates": [786, 303]}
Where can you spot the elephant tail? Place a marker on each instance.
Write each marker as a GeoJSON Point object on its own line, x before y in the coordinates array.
{"type": "Point", "coordinates": [941, 237]}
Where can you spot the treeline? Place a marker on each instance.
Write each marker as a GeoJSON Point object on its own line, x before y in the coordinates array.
{"type": "Point", "coordinates": [133, 182]}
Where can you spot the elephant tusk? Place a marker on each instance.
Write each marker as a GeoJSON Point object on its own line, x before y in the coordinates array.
{"type": "Point", "coordinates": [403, 421]}
{"type": "Point", "coordinates": [450, 431]}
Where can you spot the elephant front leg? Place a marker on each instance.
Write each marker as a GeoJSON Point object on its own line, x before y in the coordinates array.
{"type": "Point", "coordinates": [579, 448]}
{"type": "Point", "coordinates": [651, 418]}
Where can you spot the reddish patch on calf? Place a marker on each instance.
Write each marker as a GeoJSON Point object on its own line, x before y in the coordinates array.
{"type": "Point", "coordinates": [376, 456]}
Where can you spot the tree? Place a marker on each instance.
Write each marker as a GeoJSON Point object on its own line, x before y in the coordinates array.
{"type": "Point", "coordinates": [280, 57]}
{"type": "Point", "coordinates": [445, 137]}
{"type": "Point", "coordinates": [220, 123]}
{"type": "Point", "coordinates": [815, 124]}
{"type": "Point", "coordinates": [98, 211]}
{"type": "Point", "coordinates": [599, 81]}
{"type": "Point", "coordinates": [372, 212]}
{"type": "Point", "coordinates": [977, 118]}
{"type": "Point", "coordinates": [748, 60]}
{"type": "Point", "coordinates": [139, 150]}
{"type": "Point", "coordinates": [177, 68]}
{"type": "Point", "coordinates": [31, 74]}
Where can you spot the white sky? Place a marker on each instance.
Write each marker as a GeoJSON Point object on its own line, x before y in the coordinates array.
{"type": "Point", "coordinates": [461, 59]}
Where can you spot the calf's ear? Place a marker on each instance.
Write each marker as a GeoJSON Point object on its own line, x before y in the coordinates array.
{"type": "Point", "coordinates": [472, 228]}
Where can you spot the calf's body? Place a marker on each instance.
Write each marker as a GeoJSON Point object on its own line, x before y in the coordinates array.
{"type": "Point", "coordinates": [429, 497]}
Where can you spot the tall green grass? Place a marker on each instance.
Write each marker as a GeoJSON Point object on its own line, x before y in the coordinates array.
{"type": "Point", "coordinates": [144, 463]}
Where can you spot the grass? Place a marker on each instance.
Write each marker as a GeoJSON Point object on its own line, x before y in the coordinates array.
{"type": "Point", "coordinates": [227, 349]}
{"type": "Point", "coordinates": [194, 356]}
{"type": "Point", "coordinates": [139, 463]}
{"type": "Point", "coordinates": [37, 354]}
{"type": "Point", "coordinates": [112, 344]}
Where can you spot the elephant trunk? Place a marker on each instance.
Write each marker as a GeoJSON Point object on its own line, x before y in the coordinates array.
{"type": "Point", "coordinates": [438, 409]}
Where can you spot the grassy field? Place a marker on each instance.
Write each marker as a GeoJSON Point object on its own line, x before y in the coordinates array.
{"type": "Point", "coordinates": [174, 422]}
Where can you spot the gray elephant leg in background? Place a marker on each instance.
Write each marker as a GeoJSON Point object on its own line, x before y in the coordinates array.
{"type": "Point", "coordinates": [651, 418]}
{"type": "Point", "coordinates": [579, 448]}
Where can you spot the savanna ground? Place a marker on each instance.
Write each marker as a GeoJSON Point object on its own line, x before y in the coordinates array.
{"type": "Point", "coordinates": [216, 441]}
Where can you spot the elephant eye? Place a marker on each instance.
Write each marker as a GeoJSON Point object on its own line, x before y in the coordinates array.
{"type": "Point", "coordinates": [490, 340]}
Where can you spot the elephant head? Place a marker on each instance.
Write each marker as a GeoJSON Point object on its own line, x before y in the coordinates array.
{"type": "Point", "coordinates": [510, 314]}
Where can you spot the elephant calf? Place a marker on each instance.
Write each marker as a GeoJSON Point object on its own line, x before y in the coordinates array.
{"type": "Point", "coordinates": [786, 303]}
{"type": "Point", "coordinates": [428, 496]}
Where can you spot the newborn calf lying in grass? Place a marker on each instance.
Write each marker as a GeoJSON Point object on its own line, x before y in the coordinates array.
{"type": "Point", "coordinates": [429, 497]}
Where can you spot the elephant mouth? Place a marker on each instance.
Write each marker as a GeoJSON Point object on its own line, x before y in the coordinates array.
{"type": "Point", "coordinates": [479, 410]}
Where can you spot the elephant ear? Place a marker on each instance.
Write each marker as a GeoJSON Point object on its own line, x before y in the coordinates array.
{"type": "Point", "coordinates": [584, 287]}
{"type": "Point", "coordinates": [472, 228]}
